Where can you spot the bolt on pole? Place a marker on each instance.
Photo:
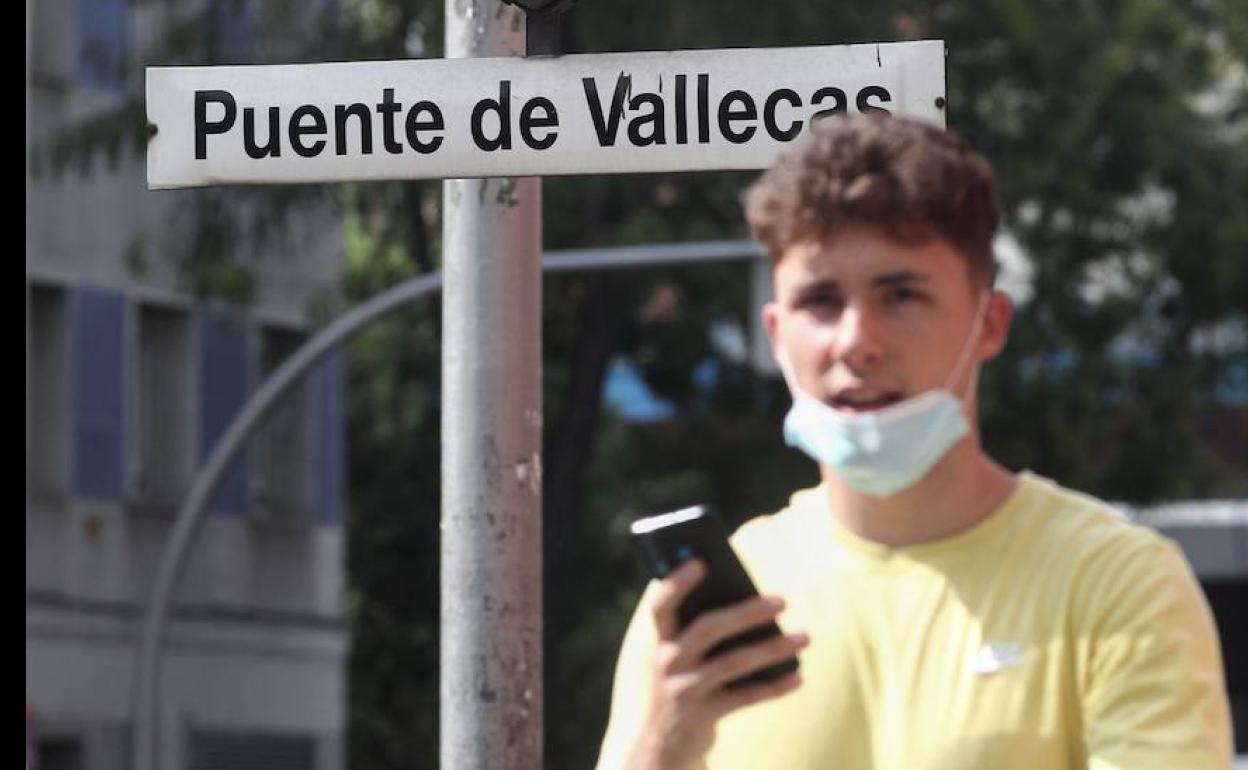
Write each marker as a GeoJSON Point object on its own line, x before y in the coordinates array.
{"type": "Point", "coordinates": [491, 612]}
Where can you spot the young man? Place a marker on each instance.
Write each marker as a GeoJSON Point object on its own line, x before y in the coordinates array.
{"type": "Point", "coordinates": [948, 614]}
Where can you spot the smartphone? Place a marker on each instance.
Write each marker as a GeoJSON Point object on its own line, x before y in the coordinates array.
{"type": "Point", "coordinates": [668, 540]}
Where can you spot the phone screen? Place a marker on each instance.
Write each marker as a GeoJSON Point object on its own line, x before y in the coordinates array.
{"type": "Point", "coordinates": [668, 540]}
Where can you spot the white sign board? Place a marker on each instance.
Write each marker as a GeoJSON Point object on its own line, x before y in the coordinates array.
{"type": "Point", "coordinates": [455, 118]}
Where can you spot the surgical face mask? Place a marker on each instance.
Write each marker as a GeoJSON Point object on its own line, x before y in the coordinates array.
{"type": "Point", "coordinates": [888, 450]}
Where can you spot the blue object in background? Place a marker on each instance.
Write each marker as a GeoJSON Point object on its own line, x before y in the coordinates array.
{"type": "Point", "coordinates": [628, 394]}
{"type": "Point", "coordinates": [706, 374]}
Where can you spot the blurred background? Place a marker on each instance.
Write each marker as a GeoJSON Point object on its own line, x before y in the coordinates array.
{"type": "Point", "coordinates": [306, 632]}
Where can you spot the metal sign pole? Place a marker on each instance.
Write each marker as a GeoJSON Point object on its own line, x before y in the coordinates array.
{"type": "Point", "coordinates": [491, 614]}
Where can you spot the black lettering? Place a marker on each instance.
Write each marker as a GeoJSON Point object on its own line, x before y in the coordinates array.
{"type": "Point", "coordinates": [341, 113]}
{"type": "Point", "coordinates": [529, 121]}
{"type": "Point", "coordinates": [415, 125]}
{"type": "Point", "coordinates": [824, 93]}
{"type": "Point", "coordinates": [682, 131]}
{"type": "Point", "coordinates": [769, 115]}
{"type": "Point", "coordinates": [388, 108]}
{"type": "Point", "coordinates": [704, 108]}
{"type": "Point", "coordinates": [878, 92]}
{"type": "Point", "coordinates": [606, 129]}
{"type": "Point", "coordinates": [656, 134]}
{"type": "Point", "coordinates": [727, 115]}
{"type": "Point", "coordinates": [274, 148]}
{"type": "Point", "coordinates": [502, 108]}
{"type": "Point", "coordinates": [298, 130]}
{"type": "Point", "coordinates": [202, 127]}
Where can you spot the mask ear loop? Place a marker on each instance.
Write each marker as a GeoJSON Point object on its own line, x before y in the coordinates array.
{"type": "Point", "coordinates": [971, 339]}
{"type": "Point", "coordinates": [786, 371]}
{"type": "Point", "coordinates": [976, 327]}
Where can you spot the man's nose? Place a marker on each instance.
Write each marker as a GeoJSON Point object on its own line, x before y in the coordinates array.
{"type": "Point", "coordinates": [858, 341]}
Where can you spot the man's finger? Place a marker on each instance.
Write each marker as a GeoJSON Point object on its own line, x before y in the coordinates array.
{"type": "Point", "coordinates": [671, 591]}
{"type": "Point", "coordinates": [711, 628]}
{"type": "Point", "coordinates": [747, 659]}
{"type": "Point", "coordinates": [731, 700]}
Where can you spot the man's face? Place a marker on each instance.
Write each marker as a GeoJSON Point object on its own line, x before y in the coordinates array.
{"type": "Point", "coordinates": [865, 322]}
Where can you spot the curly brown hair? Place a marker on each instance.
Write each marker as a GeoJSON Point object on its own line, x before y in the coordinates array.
{"type": "Point", "coordinates": [911, 180]}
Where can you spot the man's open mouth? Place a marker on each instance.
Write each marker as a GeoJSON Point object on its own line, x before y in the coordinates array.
{"type": "Point", "coordinates": [862, 400]}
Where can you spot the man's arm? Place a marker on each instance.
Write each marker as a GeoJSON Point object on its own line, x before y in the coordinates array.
{"type": "Point", "coordinates": [667, 697]}
{"type": "Point", "coordinates": [1152, 678]}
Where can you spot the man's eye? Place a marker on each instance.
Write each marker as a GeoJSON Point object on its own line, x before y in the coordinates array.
{"type": "Point", "coordinates": [820, 305]}
{"type": "Point", "coordinates": [900, 295]}
{"type": "Point", "coordinates": [819, 301]}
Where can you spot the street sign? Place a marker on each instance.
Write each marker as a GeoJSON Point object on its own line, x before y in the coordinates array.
{"type": "Point", "coordinates": [489, 117]}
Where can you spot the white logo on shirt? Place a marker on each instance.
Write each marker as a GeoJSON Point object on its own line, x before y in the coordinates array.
{"type": "Point", "coordinates": [995, 656]}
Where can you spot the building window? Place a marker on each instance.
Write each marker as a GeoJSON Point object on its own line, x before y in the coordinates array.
{"type": "Point", "coordinates": [220, 750]}
{"type": "Point", "coordinates": [98, 376]}
{"type": "Point", "coordinates": [104, 43]}
{"type": "Point", "coordinates": [60, 753]}
{"type": "Point", "coordinates": [282, 481]}
{"type": "Point", "coordinates": [227, 32]}
{"type": "Point", "coordinates": [47, 393]}
{"type": "Point", "coordinates": [223, 374]}
{"type": "Point", "coordinates": [163, 408]}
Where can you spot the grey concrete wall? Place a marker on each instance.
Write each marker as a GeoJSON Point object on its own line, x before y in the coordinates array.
{"type": "Point", "coordinates": [102, 553]}
{"type": "Point", "coordinates": [219, 674]}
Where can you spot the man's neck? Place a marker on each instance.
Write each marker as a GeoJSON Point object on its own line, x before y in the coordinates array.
{"type": "Point", "coordinates": [963, 489]}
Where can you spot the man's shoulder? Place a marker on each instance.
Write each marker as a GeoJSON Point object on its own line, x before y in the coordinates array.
{"type": "Point", "coordinates": [794, 519]}
{"type": "Point", "coordinates": [787, 541]}
{"type": "Point", "coordinates": [1092, 552]}
{"type": "Point", "coordinates": [1078, 523]}
{"type": "Point", "coordinates": [1144, 645]}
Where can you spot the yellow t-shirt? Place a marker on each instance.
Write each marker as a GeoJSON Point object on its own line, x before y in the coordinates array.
{"type": "Point", "coordinates": [1053, 634]}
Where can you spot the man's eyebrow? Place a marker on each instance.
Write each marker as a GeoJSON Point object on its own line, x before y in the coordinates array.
{"type": "Point", "coordinates": [901, 278]}
{"type": "Point", "coordinates": [815, 283]}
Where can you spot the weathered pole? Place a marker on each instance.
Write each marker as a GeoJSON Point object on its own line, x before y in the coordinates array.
{"type": "Point", "coordinates": [491, 613]}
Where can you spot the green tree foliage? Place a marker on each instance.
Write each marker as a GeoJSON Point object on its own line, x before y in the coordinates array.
{"type": "Point", "coordinates": [1118, 130]}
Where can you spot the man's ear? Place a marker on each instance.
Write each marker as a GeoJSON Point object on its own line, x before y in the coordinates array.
{"type": "Point", "coordinates": [996, 327]}
{"type": "Point", "coordinates": [771, 322]}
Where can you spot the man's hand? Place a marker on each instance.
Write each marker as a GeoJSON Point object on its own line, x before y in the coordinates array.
{"type": "Point", "coordinates": [688, 692]}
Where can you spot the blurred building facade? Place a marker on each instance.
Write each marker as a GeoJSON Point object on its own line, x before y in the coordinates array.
{"type": "Point", "coordinates": [129, 383]}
